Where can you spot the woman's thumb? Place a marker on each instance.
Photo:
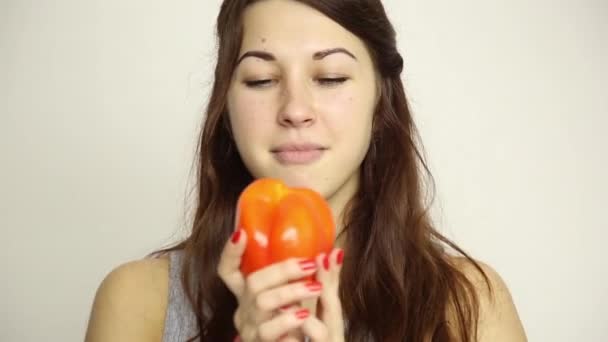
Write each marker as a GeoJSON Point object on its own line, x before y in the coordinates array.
{"type": "Point", "coordinates": [230, 261]}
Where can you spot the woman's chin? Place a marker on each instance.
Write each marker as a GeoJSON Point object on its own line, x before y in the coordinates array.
{"type": "Point", "coordinates": [297, 179]}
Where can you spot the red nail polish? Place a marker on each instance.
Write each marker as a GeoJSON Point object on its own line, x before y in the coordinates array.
{"type": "Point", "coordinates": [235, 236]}
{"type": "Point", "coordinates": [326, 262]}
{"type": "Point", "coordinates": [340, 257]}
{"type": "Point", "coordinates": [307, 265]}
{"type": "Point", "coordinates": [314, 286]}
{"type": "Point", "coordinates": [302, 313]}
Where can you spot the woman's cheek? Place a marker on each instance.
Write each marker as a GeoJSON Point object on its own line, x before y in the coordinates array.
{"type": "Point", "coordinates": [251, 111]}
{"type": "Point", "coordinates": [344, 110]}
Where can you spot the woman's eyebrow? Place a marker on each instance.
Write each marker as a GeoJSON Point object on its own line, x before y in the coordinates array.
{"type": "Point", "coordinates": [267, 56]}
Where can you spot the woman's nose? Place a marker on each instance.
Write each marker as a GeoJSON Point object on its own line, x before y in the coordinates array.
{"type": "Point", "coordinates": [297, 107]}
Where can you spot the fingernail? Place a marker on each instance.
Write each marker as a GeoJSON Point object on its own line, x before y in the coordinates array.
{"type": "Point", "coordinates": [285, 307]}
{"type": "Point", "coordinates": [326, 262]}
{"type": "Point", "coordinates": [314, 286]}
{"type": "Point", "coordinates": [307, 265]}
{"type": "Point", "coordinates": [340, 257]}
{"type": "Point", "coordinates": [235, 236]}
{"type": "Point", "coordinates": [302, 313]}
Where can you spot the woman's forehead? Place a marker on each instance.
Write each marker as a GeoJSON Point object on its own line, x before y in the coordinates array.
{"type": "Point", "coordinates": [289, 22]}
{"type": "Point", "coordinates": [300, 33]}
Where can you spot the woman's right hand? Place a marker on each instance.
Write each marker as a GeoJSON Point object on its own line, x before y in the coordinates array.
{"type": "Point", "coordinates": [263, 293]}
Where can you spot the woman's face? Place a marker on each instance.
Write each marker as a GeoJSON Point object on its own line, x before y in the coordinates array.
{"type": "Point", "coordinates": [298, 113]}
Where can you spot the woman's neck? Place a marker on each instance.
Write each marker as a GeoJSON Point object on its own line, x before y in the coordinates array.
{"type": "Point", "coordinates": [338, 202]}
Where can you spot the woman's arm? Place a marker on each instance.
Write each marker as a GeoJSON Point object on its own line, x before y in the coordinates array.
{"type": "Point", "coordinates": [130, 303]}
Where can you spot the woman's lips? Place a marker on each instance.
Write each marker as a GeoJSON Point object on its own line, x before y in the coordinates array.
{"type": "Point", "coordinates": [298, 157]}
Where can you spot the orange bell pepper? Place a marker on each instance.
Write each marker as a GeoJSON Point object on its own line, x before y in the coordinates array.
{"type": "Point", "coordinates": [282, 222]}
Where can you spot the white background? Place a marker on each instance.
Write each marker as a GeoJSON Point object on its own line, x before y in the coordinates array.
{"type": "Point", "coordinates": [100, 103]}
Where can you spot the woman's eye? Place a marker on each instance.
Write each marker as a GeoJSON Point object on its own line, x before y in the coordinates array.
{"type": "Point", "coordinates": [257, 83]}
{"type": "Point", "coordinates": [322, 81]}
{"type": "Point", "coordinates": [332, 81]}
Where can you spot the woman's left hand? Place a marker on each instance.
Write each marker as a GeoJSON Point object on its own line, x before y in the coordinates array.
{"type": "Point", "coordinates": [328, 324]}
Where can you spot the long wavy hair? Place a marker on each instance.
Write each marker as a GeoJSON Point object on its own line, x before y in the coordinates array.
{"type": "Point", "coordinates": [398, 281]}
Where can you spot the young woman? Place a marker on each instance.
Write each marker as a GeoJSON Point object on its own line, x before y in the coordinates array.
{"type": "Point", "coordinates": [310, 92]}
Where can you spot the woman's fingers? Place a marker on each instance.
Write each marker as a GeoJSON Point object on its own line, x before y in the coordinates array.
{"type": "Point", "coordinates": [278, 274]}
{"type": "Point", "coordinates": [289, 294]}
{"type": "Point", "coordinates": [316, 330]}
{"type": "Point", "coordinates": [329, 325]}
{"type": "Point", "coordinates": [281, 327]}
{"type": "Point", "coordinates": [228, 267]}
{"type": "Point", "coordinates": [277, 327]}
{"type": "Point", "coordinates": [262, 294]}
{"type": "Point", "coordinates": [330, 267]}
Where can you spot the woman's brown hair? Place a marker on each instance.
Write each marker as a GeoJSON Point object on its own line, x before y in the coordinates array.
{"type": "Point", "coordinates": [398, 282]}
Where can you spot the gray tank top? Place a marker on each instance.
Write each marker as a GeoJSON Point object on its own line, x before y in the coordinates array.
{"type": "Point", "coordinates": [180, 321]}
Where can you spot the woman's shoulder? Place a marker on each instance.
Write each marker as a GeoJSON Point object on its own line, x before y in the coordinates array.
{"type": "Point", "coordinates": [131, 302]}
{"type": "Point", "coordinates": [479, 273]}
{"type": "Point", "coordinates": [498, 316]}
